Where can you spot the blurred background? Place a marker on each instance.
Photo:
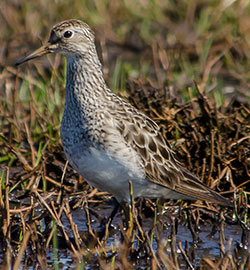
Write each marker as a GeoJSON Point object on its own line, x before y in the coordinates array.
{"type": "Point", "coordinates": [169, 42]}
{"type": "Point", "coordinates": [184, 63]}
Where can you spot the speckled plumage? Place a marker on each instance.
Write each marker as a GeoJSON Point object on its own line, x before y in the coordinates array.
{"type": "Point", "coordinates": [108, 141]}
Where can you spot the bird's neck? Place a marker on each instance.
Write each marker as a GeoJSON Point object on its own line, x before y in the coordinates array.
{"type": "Point", "coordinates": [85, 82]}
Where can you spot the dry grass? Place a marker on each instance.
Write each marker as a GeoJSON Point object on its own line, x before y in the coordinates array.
{"type": "Point", "coordinates": [184, 64]}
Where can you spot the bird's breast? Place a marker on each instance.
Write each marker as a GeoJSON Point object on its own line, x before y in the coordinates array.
{"type": "Point", "coordinates": [102, 170]}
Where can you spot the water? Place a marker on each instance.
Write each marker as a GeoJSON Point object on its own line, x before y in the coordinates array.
{"type": "Point", "coordinates": [208, 247]}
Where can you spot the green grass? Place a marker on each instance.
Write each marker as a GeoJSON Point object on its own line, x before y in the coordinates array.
{"type": "Point", "coordinates": [192, 35]}
{"type": "Point", "coordinates": [157, 44]}
{"type": "Point", "coordinates": [168, 43]}
{"type": "Point", "coordinates": [55, 248]}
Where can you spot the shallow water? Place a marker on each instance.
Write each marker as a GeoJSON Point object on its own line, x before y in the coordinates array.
{"type": "Point", "coordinates": [207, 248]}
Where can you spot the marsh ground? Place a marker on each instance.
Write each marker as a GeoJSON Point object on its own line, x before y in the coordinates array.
{"type": "Point", "coordinates": [186, 65]}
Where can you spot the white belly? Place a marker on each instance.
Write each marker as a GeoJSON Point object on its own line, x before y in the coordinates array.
{"type": "Point", "coordinates": [111, 174]}
{"type": "Point", "coordinates": [104, 172]}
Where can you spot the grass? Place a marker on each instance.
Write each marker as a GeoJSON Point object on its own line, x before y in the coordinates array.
{"type": "Point", "coordinates": [185, 64]}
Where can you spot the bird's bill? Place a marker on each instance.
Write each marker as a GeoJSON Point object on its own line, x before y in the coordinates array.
{"type": "Point", "coordinates": [45, 49]}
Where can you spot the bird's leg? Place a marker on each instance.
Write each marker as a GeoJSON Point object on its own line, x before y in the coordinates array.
{"type": "Point", "coordinates": [106, 222]}
{"type": "Point", "coordinates": [114, 212]}
{"type": "Point", "coordinates": [128, 217]}
{"type": "Point", "coordinates": [130, 211]}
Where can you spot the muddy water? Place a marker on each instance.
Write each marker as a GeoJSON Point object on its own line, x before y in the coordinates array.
{"type": "Point", "coordinates": [208, 247]}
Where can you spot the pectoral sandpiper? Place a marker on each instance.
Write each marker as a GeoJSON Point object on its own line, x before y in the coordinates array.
{"type": "Point", "coordinates": [108, 141]}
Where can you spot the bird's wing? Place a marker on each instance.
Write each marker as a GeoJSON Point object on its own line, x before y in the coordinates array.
{"type": "Point", "coordinates": [161, 167]}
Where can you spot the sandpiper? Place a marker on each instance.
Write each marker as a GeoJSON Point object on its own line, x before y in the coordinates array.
{"type": "Point", "coordinates": [107, 140]}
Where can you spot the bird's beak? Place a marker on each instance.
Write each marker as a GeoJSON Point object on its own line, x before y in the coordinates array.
{"type": "Point", "coordinates": [45, 49]}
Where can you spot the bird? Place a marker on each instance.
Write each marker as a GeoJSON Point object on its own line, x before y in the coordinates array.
{"type": "Point", "coordinates": [107, 140]}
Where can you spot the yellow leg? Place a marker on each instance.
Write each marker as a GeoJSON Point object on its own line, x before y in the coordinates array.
{"type": "Point", "coordinates": [129, 209]}
{"type": "Point", "coordinates": [130, 221]}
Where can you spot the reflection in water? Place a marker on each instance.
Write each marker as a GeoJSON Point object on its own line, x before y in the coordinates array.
{"type": "Point", "coordinates": [208, 247]}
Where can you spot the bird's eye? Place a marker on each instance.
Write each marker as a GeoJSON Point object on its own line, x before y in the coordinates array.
{"type": "Point", "coordinates": [67, 34]}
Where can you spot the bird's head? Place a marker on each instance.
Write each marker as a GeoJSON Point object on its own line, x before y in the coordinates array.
{"type": "Point", "coordinates": [71, 38]}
